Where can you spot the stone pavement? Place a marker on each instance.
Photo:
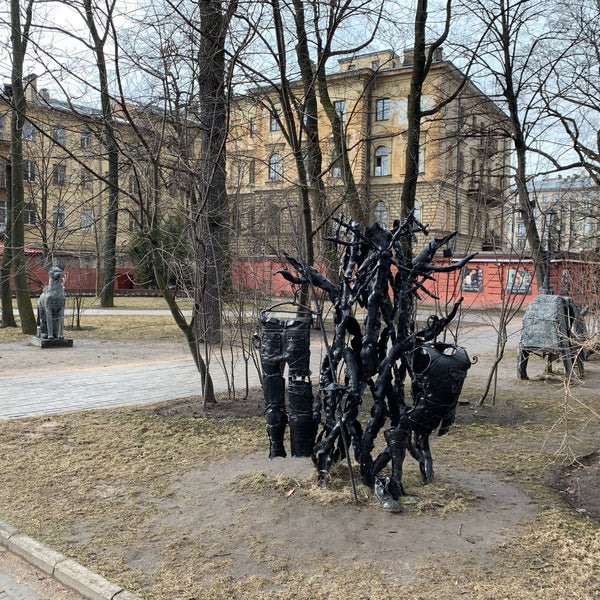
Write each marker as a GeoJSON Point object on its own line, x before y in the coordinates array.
{"type": "Point", "coordinates": [29, 570]}
{"type": "Point", "coordinates": [121, 385]}
{"type": "Point", "coordinates": [47, 393]}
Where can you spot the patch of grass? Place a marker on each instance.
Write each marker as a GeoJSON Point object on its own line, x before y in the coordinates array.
{"type": "Point", "coordinates": [127, 328]}
{"type": "Point", "coordinates": [95, 482]}
{"type": "Point", "coordinates": [101, 467]}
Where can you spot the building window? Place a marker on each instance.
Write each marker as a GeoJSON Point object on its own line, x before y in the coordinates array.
{"type": "Point", "coordinates": [273, 225]}
{"type": "Point", "coordinates": [3, 167]}
{"type": "Point", "coordinates": [28, 131]}
{"type": "Point", "coordinates": [85, 139]}
{"type": "Point", "coordinates": [340, 109]}
{"type": "Point", "coordinates": [381, 214]}
{"type": "Point", "coordinates": [133, 185]}
{"type": "Point", "coordinates": [59, 217]}
{"type": "Point", "coordinates": [3, 132]}
{"type": "Point", "coordinates": [374, 65]}
{"type": "Point", "coordinates": [252, 127]}
{"type": "Point", "coordinates": [252, 172]}
{"type": "Point", "coordinates": [29, 214]}
{"type": "Point", "coordinates": [521, 229]}
{"type": "Point", "coordinates": [417, 210]}
{"type": "Point", "coordinates": [134, 224]}
{"type": "Point", "coordinates": [59, 175]}
{"type": "Point", "coordinates": [85, 179]}
{"type": "Point", "coordinates": [274, 122]}
{"type": "Point", "coordinates": [381, 162]}
{"type": "Point", "coordinates": [59, 134]}
{"type": "Point", "coordinates": [87, 218]}
{"type": "Point", "coordinates": [448, 215]}
{"type": "Point", "coordinates": [382, 109]}
{"type": "Point", "coordinates": [275, 167]}
{"type": "Point", "coordinates": [336, 166]}
{"type": "Point", "coordinates": [28, 170]}
{"type": "Point", "coordinates": [2, 215]}
{"type": "Point", "coordinates": [236, 220]}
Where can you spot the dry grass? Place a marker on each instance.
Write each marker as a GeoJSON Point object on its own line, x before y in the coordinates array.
{"type": "Point", "coordinates": [91, 485]}
{"type": "Point", "coordinates": [94, 479]}
{"type": "Point", "coordinates": [117, 327]}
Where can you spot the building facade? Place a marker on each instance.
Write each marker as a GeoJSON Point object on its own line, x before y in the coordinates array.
{"type": "Point", "coordinates": [464, 156]}
{"type": "Point", "coordinates": [567, 210]}
{"type": "Point", "coordinates": [65, 166]}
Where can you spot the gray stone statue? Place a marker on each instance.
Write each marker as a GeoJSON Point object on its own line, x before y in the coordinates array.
{"type": "Point", "coordinates": [51, 307]}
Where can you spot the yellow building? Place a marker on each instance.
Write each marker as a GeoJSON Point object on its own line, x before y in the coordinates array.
{"type": "Point", "coordinates": [66, 190]}
{"type": "Point", "coordinates": [463, 184]}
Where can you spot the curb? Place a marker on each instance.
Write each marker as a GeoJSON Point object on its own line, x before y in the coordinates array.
{"type": "Point", "coordinates": [63, 569]}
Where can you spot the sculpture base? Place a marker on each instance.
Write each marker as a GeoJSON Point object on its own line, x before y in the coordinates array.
{"type": "Point", "coordinates": [51, 342]}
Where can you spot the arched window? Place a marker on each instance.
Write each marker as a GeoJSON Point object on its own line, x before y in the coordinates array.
{"type": "Point", "coordinates": [381, 214]}
{"type": "Point", "coordinates": [381, 161]}
{"type": "Point", "coordinates": [275, 167]}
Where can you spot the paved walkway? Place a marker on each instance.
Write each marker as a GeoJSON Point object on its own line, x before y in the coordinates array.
{"type": "Point", "coordinates": [128, 385]}
{"type": "Point", "coordinates": [47, 393]}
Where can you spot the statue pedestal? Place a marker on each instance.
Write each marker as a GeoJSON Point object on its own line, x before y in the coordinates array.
{"type": "Point", "coordinates": [51, 342]}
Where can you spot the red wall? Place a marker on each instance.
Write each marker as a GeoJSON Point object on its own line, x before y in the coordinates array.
{"type": "Point", "coordinates": [496, 280]}
{"type": "Point", "coordinates": [489, 286]}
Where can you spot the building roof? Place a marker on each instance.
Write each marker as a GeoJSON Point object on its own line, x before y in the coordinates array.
{"type": "Point", "coordinates": [562, 184]}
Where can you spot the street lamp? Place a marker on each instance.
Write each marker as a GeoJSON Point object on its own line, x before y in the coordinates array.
{"type": "Point", "coordinates": [550, 214]}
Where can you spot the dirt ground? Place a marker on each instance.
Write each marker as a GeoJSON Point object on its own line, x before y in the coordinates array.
{"type": "Point", "coordinates": [259, 533]}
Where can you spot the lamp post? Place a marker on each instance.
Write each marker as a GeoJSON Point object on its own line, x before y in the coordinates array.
{"type": "Point", "coordinates": [550, 214]}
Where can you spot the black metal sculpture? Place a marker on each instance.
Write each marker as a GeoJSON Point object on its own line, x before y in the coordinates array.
{"type": "Point", "coordinates": [382, 281]}
{"type": "Point", "coordinates": [287, 341]}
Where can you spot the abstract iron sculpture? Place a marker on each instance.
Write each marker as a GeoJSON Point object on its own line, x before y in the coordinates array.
{"type": "Point", "coordinates": [378, 276]}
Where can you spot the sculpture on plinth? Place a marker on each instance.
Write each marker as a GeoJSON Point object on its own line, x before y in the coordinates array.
{"type": "Point", "coordinates": [381, 280]}
{"type": "Point", "coordinates": [51, 311]}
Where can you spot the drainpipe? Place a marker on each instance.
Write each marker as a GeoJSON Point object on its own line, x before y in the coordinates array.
{"type": "Point", "coordinates": [457, 177]}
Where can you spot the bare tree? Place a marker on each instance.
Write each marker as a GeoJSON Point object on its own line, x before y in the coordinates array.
{"type": "Point", "coordinates": [19, 38]}
{"type": "Point", "coordinates": [571, 92]}
{"type": "Point", "coordinates": [8, 317]}
{"type": "Point", "coordinates": [510, 56]}
{"type": "Point", "coordinates": [336, 14]}
{"type": "Point", "coordinates": [95, 15]}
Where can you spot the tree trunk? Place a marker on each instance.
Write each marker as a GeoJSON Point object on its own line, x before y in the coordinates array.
{"type": "Point", "coordinates": [413, 133]}
{"type": "Point", "coordinates": [351, 196]}
{"type": "Point", "coordinates": [317, 197]}
{"type": "Point", "coordinates": [112, 152]}
{"type": "Point", "coordinates": [8, 317]}
{"type": "Point", "coordinates": [19, 265]}
{"type": "Point", "coordinates": [520, 145]}
{"type": "Point", "coordinates": [210, 208]}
